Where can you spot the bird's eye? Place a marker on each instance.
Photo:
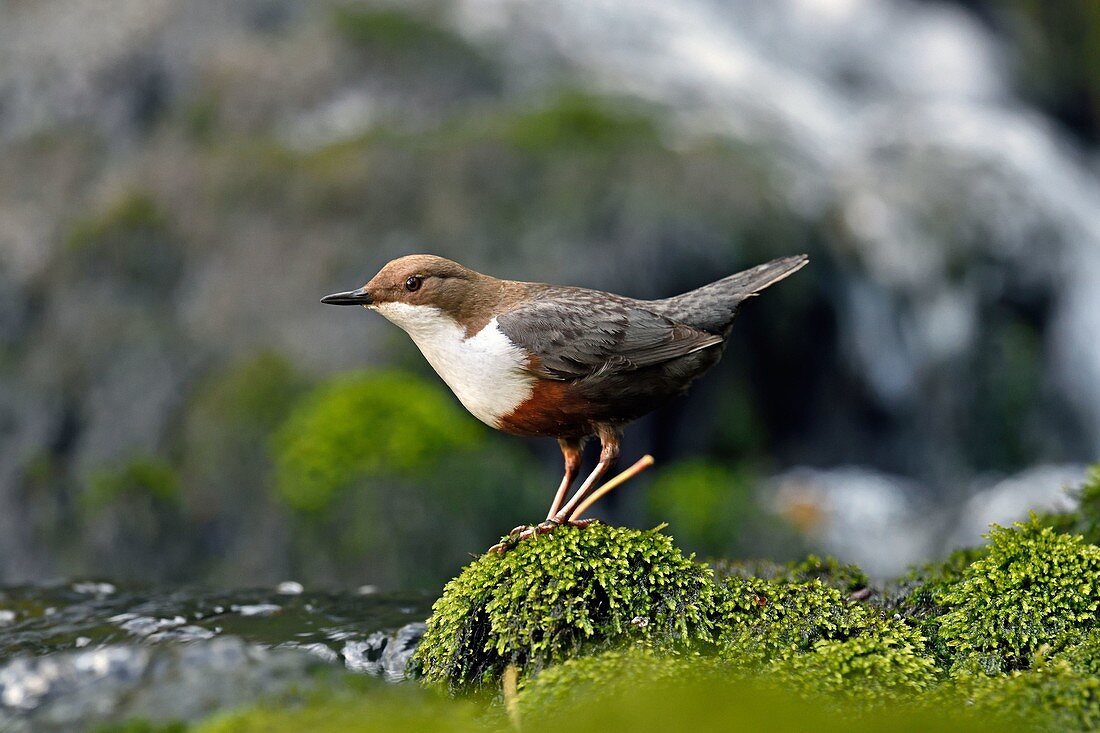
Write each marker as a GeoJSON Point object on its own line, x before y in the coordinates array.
{"type": "Point", "coordinates": [413, 284]}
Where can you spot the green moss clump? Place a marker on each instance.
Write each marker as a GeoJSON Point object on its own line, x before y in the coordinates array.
{"type": "Point", "coordinates": [764, 620]}
{"type": "Point", "coordinates": [1053, 696]}
{"type": "Point", "coordinates": [888, 665]}
{"type": "Point", "coordinates": [560, 595]}
{"type": "Point", "coordinates": [363, 424]}
{"type": "Point", "coordinates": [843, 577]}
{"type": "Point", "coordinates": [1033, 588]}
{"type": "Point", "coordinates": [1083, 655]}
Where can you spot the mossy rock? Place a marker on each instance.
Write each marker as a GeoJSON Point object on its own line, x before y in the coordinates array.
{"type": "Point", "coordinates": [1034, 588]}
{"type": "Point", "coordinates": [563, 594]}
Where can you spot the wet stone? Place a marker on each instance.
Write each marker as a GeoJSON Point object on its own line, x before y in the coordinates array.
{"type": "Point", "coordinates": [382, 654]}
{"type": "Point", "coordinates": [75, 657]}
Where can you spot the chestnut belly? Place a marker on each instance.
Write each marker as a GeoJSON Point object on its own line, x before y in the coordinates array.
{"type": "Point", "coordinates": [573, 409]}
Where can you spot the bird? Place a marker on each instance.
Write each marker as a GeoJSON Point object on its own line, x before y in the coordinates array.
{"type": "Point", "coordinates": [563, 362]}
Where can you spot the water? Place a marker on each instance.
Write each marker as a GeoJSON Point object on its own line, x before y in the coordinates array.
{"type": "Point", "coordinates": [83, 653]}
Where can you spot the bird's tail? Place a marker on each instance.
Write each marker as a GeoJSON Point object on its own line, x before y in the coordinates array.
{"type": "Point", "coordinates": [712, 307]}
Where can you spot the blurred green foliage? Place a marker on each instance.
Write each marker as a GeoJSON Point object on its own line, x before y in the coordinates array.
{"type": "Point", "coordinates": [131, 240]}
{"type": "Point", "coordinates": [252, 395]}
{"type": "Point", "coordinates": [411, 39]}
{"type": "Point", "coordinates": [707, 504]}
{"type": "Point", "coordinates": [574, 122]}
{"type": "Point", "coordinates": [1000, 425]}
{"type": "Point", "coordinates": [560, 594]}
{"type": "Point", "coordinates": [612, 692]}
{"type": "Point", "coordinates": [383, 708]}
{"type": "Point", "coordinates": [609, 674]}
{"type": "Point", "coordinates": [134, 212]}
{"type": "Point", "coordinates": [364, 424]}
{"type": "Point", "coordinates": [394, 30]}
{"type": "Point", "coordinates": [142, 476]}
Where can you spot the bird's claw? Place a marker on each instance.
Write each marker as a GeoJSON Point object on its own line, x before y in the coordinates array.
{"type": "Point", "coordinates": [526, 531]}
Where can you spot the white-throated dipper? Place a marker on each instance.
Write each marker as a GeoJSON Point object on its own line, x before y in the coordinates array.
{"type": "Point", "coordinates": [561, 362]}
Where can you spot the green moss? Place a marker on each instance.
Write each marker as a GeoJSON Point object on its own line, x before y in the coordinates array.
{"type": "Point", "coordinates": [143, 476]}
{"type": "Point", "coordinates": [764, 619]}
{"type": "Point", "coordinates": [914, 595]}
{"type": "Point", "coordinates": [561, 595]}
{"type": "Point", "coordinates": [1033, 588]}
{"type": "Point", "coordinates": [720, 702]}
{"type": "Point", "coordinates": [845, 577]}
{"type": "Point", "coordinates": [888, 665]}
{"type": "Point", "coordinates": [612, 673]}
{"type": "Point", "coordinates": [388, 709]}
{"type": "Point", "coordinates": [1083, 655]}
{"type": "Point", "coordinates": [363, 424]}
{"type": "Point", "coordinates": [831, 572]}
{"type": "Point", "coordinates": [1053, 696]}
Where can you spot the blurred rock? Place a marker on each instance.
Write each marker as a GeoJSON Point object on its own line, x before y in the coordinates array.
{"type": "Point", "coordinates": [385, 655]}
{"type": "Point", "coordinates": [859, 516]}
{"type": "Point", "coordinates": [84, 689]}
{"type": "Point", "coordinates": [1039, 489]}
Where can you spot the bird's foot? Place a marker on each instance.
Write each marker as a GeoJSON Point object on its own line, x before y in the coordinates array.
{"type": "Point", "coordinates": [526, 531]}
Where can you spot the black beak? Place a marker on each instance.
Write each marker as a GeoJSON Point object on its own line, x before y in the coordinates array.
{"type": "Point", "coordinates": [351, 297]}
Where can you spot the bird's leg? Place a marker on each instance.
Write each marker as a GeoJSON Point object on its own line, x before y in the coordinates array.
{"type": "Point", "coordinates": [571, 452]}
{"type": "Point", "coordinates": [609, 451]}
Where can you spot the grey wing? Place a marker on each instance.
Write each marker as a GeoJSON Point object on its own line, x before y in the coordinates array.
{"type": "Point", "coordinates": [577, 334]}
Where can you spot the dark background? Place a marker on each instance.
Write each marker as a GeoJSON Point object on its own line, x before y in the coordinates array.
{"type": "Point", "coordinates": [181, 181]}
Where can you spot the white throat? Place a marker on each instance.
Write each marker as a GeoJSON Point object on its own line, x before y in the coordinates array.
{"type": "Point", "coordinates": [485, 371]}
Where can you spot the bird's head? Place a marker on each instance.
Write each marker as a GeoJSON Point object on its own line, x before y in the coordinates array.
{"type": "Point", "coordinates": [415, 287]}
